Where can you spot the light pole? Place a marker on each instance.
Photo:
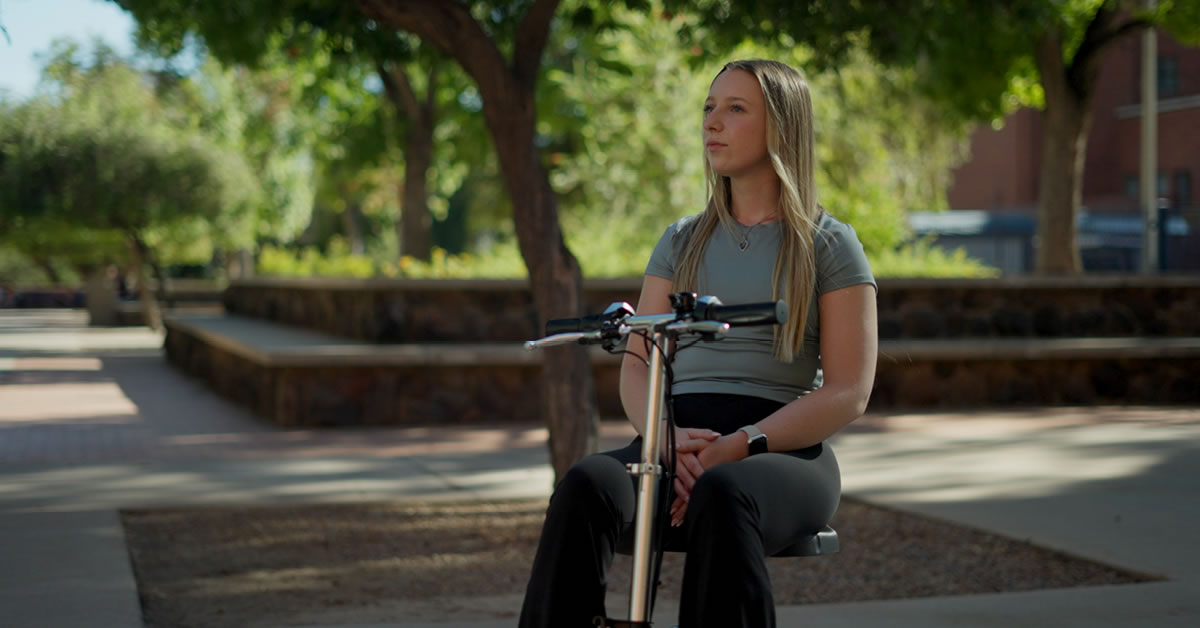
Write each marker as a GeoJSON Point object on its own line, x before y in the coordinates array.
{"type": "Point", "coordinates": [1149, 182]}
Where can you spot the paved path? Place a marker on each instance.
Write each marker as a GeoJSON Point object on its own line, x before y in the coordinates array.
{"type": "Point", "coordinates": [91, 421]}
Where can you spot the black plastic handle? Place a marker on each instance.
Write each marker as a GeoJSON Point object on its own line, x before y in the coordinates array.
{"type": "Point", "coordinates": [744, 315]}
{"type": "Point", "coordinates": [614, 312]}
{"type": "Point", "coordinates": [567, 325]}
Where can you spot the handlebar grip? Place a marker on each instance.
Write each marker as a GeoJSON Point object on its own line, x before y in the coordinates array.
{"type": "Point", "coordinates": [745, 315]}
{"type": "Point", "coordinates": [567, 325]}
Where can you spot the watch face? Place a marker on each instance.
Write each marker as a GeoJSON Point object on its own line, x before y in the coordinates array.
{"type": "Point", "coordinates": [758, 444]}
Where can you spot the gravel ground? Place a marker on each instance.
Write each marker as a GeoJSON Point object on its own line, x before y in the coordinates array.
{"type": "Point", "coordinates": [379, 562]}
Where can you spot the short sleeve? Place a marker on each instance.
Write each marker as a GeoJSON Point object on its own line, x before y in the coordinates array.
{"type": "Point", "coordinates": [841, 260]}
{"type": "Point", "coordinates": [666, 253]}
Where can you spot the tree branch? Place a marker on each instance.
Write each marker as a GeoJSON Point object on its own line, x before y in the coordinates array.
{"type": "Point", "coordinates": [1100, 34]}
{"type": "Point", "coordinates": [431, 89]}
{"type": "Point", "coordinates": [532, 36]}
{"type": "Point", "coordinates": [1131, 26]}
{"type": "Point", "coordinates": [1047, 54]}
{"type": "Point", "coordinates": [399, 90]}
{"type": "Point", "coordinates": [449, 27]}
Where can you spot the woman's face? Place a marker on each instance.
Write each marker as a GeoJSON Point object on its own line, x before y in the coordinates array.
{"type": "Point", "coordinates": [735, 124]}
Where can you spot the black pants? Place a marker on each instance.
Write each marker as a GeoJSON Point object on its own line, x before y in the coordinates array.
{"type": "Point", "coordinates": [739, 513]}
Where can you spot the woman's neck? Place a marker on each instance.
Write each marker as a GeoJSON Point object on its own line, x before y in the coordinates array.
{"type": "Point", "coordinates": [755, 197]}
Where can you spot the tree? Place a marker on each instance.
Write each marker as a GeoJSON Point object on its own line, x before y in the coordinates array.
{"type": "Point", "coordinates": [507, 87]}
{"type": "Point", "coordinates": [981, 59]}
{"type": "Point", "coordinates": [627, 158]}
{"type": "Point", "coordinates": [99, 154]}
{"type": "Point", "coordinates": [474, 36]}
{"type": "Point", "coordinates": [348, 41]}
{"type": "Point", "coordinates": [253, 114]}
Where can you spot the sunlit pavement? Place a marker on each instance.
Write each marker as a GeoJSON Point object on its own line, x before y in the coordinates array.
{"type": "Point", "coordinates": [92, 420]}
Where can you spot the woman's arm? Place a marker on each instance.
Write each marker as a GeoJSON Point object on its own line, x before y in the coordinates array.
{"type": "Point", "coordinates": [655, 299]}
{"type": "Point", "coordinates": [849, 348]}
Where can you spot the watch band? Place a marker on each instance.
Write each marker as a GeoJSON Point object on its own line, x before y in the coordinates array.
{"type": "Point", "coordinates": [756, 441]}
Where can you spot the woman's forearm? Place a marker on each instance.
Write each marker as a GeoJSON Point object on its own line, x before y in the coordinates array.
{"type": "Point", "coordinates": [814, 417]}
{"type": "Point", "coordinates": [634, 389]}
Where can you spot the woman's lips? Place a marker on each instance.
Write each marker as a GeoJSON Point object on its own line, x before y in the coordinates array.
{"type": "Point", "coordinates": [714, 145]}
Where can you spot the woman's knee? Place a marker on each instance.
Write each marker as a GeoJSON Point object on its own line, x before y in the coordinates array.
{"type": "Point", "coordinates": [718, 489]}
{"type": "Point", "coordinates": [597, 475]}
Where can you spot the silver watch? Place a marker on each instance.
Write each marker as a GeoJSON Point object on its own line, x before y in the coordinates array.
{"type": "Point", "coordinates": [756, 442]}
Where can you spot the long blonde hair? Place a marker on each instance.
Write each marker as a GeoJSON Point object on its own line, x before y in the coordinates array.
{"type": "Point", "coordinates": [790, 147]}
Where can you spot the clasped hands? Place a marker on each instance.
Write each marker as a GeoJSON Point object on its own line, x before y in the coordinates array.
{"type": "Point", "coordinates": [697, 450]}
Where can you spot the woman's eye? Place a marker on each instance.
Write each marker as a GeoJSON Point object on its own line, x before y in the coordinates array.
{"type": "Point", "coordinates": [737, 108]}
{"type": "Point", "coordinates": [707, 109]}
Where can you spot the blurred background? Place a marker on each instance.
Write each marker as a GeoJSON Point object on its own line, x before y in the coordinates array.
{"type": "Point", "coordinates": [180, 140]}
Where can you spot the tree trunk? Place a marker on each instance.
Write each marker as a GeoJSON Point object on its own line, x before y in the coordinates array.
{"type": "Point", "coordinates": [413, 230]}
{"type": "Point", "coordinates": [507, 90]}
{"type": "Point", "coordinates": [352, 221]}
{"type": "Point", "coordinates": [1064, 146]}
{"type": "Point", "coordinates": [568, 394]}
{"type": "Point", "coordinates": [101, 298]}
{"type": "Point", "coordinates": [160, 277]}
{"type": "Point", "coordinates": [150, 312]}
{"type": "Point", "coordinates": [1067, 119]}
{"type": "Point", "coordinates": [415, 223]}
{"type": "Point", "coordinates": [52, 274]}
{"type": "Point", "coordinates": [1069, 88]}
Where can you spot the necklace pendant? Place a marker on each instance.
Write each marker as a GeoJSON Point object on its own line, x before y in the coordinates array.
{"type": "Point", "coordinates": [743, 244]}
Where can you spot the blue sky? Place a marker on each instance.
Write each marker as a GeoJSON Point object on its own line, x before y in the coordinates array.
{"type": "Point", "coordinates": [33, 24]}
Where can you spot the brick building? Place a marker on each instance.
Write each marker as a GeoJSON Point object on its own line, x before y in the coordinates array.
{"type": "Point", "coordinates": [1005, 165]}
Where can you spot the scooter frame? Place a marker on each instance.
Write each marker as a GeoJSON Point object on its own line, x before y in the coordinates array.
{"type": "Point", "coordinates": [705, 317]}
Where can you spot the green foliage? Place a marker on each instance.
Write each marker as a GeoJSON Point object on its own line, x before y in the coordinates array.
{"type": "Point", "coordinates": [328, 57]}
{"type": "Point", "coordinates": [310, 262]}
{"type": "Point", "coordinates": [501, 262]}
{"type": "Point", "coordinates": [922, 259]}
{"type": "Point", "coordinates": [918, 259]}
{"type": "Point", "coordinates": [619, 123]}
{"type": "Point", "coordinates": [628, 159]}
{"type": "Point", "coordinates": [974, 58]}
{"type": "Point", "coordinates": [16, 269]}
{"type": "Point", "coordinates": [882, 151]}
{"type": "Point", "coordinates": [98, 153]}
{"type": "Point", "coordinates": [252, 114]}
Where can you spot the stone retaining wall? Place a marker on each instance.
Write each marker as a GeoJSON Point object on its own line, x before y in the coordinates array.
{"type": "Point", "coordinates": [946, 384]}
{"type": "Point", "coordinates": [942, 316]}
{"type": "Point", "coordinates": [385, 395]}
{"type": "Point", "coordinates": [1076, 307]}
{"type": "Point", "coordinates": [416, 395]}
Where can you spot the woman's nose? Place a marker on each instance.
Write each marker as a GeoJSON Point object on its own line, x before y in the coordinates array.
{"type": "Point", "coordinates": [712, 122]}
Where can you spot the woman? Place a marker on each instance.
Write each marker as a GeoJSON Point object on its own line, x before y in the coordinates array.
{"type": "Point", "coordinates": [753, 411]}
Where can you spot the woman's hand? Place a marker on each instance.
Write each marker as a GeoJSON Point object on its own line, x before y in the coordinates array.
{"type": "Point", "coordinates": [688, 443]}
{"type": "Point", "coordinates": [708, 454]}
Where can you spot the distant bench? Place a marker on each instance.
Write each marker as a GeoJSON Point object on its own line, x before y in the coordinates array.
{"type": "Point", "coordinates": [295, 376]}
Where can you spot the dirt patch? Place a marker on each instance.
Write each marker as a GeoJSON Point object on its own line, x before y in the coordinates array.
{"type": "Point", "coordinates": [381, 562]}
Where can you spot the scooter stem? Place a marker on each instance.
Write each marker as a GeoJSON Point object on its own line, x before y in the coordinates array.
{"type": "Point", "coordinates": [648, 472]}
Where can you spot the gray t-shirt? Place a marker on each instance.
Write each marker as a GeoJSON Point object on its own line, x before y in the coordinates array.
{"type": "Point", "coordinates": [743, 362]}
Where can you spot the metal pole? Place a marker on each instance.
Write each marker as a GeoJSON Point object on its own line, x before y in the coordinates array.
{"type": "Point", "coordinates": [1149, 180]}
{"type": "Point", "coordinates": [648, 473]}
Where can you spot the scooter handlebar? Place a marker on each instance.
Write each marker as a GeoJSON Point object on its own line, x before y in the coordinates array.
{"type": "Point", "coordinates": [567, 325]}
{"type": "Point", "coordinates": [744, 315]}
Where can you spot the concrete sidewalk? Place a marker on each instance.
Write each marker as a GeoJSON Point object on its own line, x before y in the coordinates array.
{"type": "Point", "coordinates": [92, 420]}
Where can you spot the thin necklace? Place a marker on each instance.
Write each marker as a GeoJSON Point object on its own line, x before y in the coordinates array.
{"type": "Point", "coordinates": [746, 235]}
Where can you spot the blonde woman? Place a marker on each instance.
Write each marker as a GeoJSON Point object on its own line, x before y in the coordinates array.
{"type": "Point", "coordinates": [754, 410]}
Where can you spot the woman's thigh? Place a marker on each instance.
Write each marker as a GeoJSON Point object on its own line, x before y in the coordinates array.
{"type": "Point", "coordinates": [791, 494]}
